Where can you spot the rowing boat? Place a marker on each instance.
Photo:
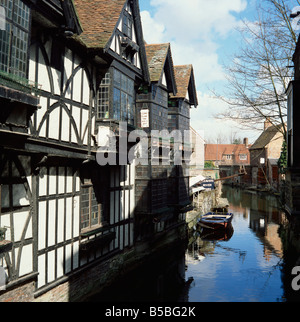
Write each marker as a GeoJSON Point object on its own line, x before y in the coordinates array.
{"type": "Point", "coordinates": [216, 220]}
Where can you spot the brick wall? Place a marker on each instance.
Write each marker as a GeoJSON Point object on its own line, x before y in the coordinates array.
{"type": "Point", "coordinates": [20, 293]}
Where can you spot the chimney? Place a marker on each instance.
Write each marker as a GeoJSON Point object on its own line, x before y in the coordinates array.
{"type": "Point", "coordinates": [267, 124]}
{"type": "Point", "coordinates": [246, 142]}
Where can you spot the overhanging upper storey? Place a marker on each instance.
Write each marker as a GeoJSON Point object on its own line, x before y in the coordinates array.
{"type": "Point", "coordinates": [55, 14]}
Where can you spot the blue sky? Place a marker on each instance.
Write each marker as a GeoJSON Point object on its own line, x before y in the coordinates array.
{"type": "Point", "coordinates": [202, 33]}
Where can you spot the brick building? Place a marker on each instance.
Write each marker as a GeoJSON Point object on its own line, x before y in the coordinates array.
{"type": "Point", "coordinates": [264, 155]}
{"type": "Point", "coordinates": [228, 154]}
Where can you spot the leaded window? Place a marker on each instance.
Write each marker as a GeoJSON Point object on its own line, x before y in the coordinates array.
{"type": "Point", "coordinates": [123, 98]}
{"type": "Point", "coordinates": [120, 106]}
{"type": "Point", "coordinates": [14, 37]}
{"type": "Point", "coordinates": [103, 97]}
{"type": "Point", "coordinates": [91, 210]}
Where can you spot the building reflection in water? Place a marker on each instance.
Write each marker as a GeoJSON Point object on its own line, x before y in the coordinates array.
{"type": "Point", "coordinates": [278, 232]}
{"type": "Point", "coordinates": [257, 257]}
{"type": "Point", "coordinates": [160, 278]}
{"type": "Point", "coordinates": [262, 235]}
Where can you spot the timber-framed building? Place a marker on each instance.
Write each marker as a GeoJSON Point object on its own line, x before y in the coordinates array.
{"type": "Point", "coordinates": [69, 71]}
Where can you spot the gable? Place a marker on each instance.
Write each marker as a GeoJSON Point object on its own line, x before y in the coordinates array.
{"type": "Point", "coordinates": [185, 81]}
{"type": "Point", "coordinates": [160, 63]}
{"type": "Point", "coordinates": [114, 27]}
{"type": "Point", "coordinates": [124, 40]}
{"type": "Point", "coordinates": [98, 19]}
{"type": "Point", "coordinates": [266, 137]}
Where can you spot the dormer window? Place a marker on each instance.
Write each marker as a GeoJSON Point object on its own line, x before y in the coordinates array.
{"type": "Point", "coordinates": [14, 37]}
{"type": "Point", "coordinates": [228, 156]}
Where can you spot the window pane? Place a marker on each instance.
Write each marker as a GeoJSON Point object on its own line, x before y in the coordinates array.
{"type": "Point", "coordinates": [7, 4]}
{"type": "Point", "coordinates": [117, 104]}
{"type": "Point", "coordinates": [89, 208]}
{"type": "Point", "coordinates": [130, 86]}
{"type": "Point", "coordinates": [130, 110]}
{"type": "Point", "coordinates": [13, 15]}
{"type": "Point", "coordinates": [124, 83]}
{"type": "Point", "coordinates": [85, 197]}
{"type": "Point", "coordinates": [117, 78]}
{"type": "Point", "coordinates": [124, 113]}
{"type": "Point", "coordinates": [103, 99]}
{"type": "Point", "coordinates": [123, 98]}
{"type": "Point", "coordinates": [21, 14]}
{"type": "Point", "coordinates": [94, 209]}
{"type": "Point", "coordinates": [4, 48]}
{"type": "Point", "coordinates": [19, 53]}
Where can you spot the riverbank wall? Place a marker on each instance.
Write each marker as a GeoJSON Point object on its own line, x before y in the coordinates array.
{"type": "Point", "coordinates": [203, 202]}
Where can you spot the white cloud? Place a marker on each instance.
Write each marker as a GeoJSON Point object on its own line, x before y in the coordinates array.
{"type": "Point", "coordinates": [153, 31]}
{"type": "Point", "coordinates": [196, 19]}
{"type": "Point", "coordinates": [197, 31]}
{"type": "Point", "coordinates": [194, 29]}
{"type": "Point", "coordinates": [202, 119]}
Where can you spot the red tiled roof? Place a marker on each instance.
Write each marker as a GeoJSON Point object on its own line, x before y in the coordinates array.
{"type": "Point", "coordinates": [183, 75]}
{"type": "Point", "coordinates": [98, 19]}
{"type": "Point", "coordinates": [216, 152]}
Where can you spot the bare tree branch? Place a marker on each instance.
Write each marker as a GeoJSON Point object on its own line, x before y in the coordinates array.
{"type": "Point", "coordinates": [259, 74]}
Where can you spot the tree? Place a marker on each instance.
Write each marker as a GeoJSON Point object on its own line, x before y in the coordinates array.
{"type": "Point", "coordinates": [282, 161]}
{"type": "Point", "coordinates": [260, 72]}
{"type": "Point", "coordinates": [209, 165]}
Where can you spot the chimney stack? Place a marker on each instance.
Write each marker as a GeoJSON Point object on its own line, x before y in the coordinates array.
{"type": "Point", "coordinates": [246, 142]}
{"type": "Point", "coordinates": [267, 124]}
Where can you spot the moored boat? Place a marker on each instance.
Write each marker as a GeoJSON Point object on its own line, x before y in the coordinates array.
{"type": "Point", "coordinates": [216, 220]}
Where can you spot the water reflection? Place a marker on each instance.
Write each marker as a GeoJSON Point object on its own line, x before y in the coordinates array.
{"type": "Point", "coordinates": [160, 278]}
{"type": "Point", "coordinates": [213, 235]}
{"type": "Point", "coordinates": [251, 263]}
{"type": "Point", "coordinates": [290, 236]}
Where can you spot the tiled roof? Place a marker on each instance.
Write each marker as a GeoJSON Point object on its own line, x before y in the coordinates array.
{"type": "Point", "coordinates": [266, 137]}
{"type": "Point", "coordinates": [98, 19]}
{"type": "Point", "coordinates": [156, 57]}
{"type": "Point", "coordinates": [214, 152]}
{"type": "Point", "coordinates": [183, 75]}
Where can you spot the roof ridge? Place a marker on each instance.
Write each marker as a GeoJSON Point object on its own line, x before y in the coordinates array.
{"type": "Point", "coordinates": [158, 44]}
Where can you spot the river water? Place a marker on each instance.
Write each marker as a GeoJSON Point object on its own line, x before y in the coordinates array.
{"type": "Point", "coordinates": [246, 265]}
{"type": "Point", "coordinates": [253, 262]}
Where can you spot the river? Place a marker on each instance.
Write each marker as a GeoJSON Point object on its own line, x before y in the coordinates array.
{"type": "Point", "coordinates": [246, 266]}
{"type": "Point", "coordinates": [253, 262]}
